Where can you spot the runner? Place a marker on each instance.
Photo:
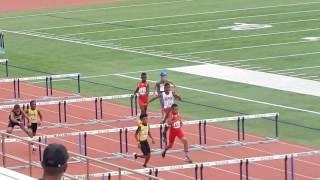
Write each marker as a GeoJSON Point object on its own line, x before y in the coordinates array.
{"type": "Point", "coordinates": [143, 93]}
{"type": "Point", "coordinates": [167, 97]}
{"type": "Point", "coordinates": [142, 134]}
{"type": "Point", "coordinates": [160, 86]}
{"type": "Point", "coordinates": [35, 117]}
{"type": "Point", "coordinates": [175, 124]}
{"type": "Point", "coordinates": [16, 118]}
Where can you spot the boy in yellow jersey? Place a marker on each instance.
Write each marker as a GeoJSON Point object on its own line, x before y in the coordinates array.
{"type": "Point", "coordinates": [142, 134]}
{"type": "Point", "coordinates": [35, 117]}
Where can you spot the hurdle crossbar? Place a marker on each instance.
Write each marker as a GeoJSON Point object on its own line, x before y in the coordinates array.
{"type": "Point", "coordinates": [153, 126]}
{"type": "Point", "coordinates": [209, 164]}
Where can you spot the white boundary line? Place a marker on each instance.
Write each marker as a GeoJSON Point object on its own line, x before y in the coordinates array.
{"type": "Point", "coordinates": [192, 22]}
{"type": "Point", "coordinates": [235, 97]}
{"type": "Point", "coordinates": [93, 9]}
{"type": "Point", "coordinates": [232, 37]}
{"type": "Point", "coordinates": [173, 16]}
{"type": "Point", "coordinates": [188, 32]}
{"type": "Point", "coordinates": [294, 69]}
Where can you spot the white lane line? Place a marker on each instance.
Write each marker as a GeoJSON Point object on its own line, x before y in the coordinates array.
{"type": "Point", "coordinates": [181, 15]}
{"type": "Point", "coordinates": [232, 37]}
{"type": "Point", "coordinates": [294, 69]}
{"type": "Point", "coordinates": [298, 75]}
{"type": "Point", "coordinates": [155, 54]}
{"type": "Point", "coordinates": [236, 97]}
{"type": "Point", "coordinates": [183, 32]}
{"type": "Point", "coordinates": [273, 57]}
{"type": "Point", "coordinates": [310, 77]}
{"type": "Point", "coordinates": [248, 47]}
{"type": "Point", "coordinates": [93, 9]}
{"type": "Point", "coordinates": [196, 22]}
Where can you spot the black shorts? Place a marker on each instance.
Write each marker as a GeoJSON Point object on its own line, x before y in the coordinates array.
{"type": "Point", "coordinates": [145, 148]}
{"type": "Point", "coordinates": [33, 127]}
{"type": "Point", "coordinates": [13, 124]}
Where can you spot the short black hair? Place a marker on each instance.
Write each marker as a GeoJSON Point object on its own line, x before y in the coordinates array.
{"type": "Point", "coordinates": [143, 74]}
{"type": "Point", "coordinates": [174, 105]}
{"type": "Point", "coordinates": [143, 116]}
{"type": "Point", "coordinates": [167, 84]}
{"type": "Point", "coordinates": [55, 157]}
{"type": "Point", "coordinates": [17, 106]}
{"type": "Point", "coordinates": [32, 101]}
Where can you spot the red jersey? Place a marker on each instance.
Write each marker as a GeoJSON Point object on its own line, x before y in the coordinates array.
{"type": "Point", "coordinates": [176, 122]}
{"type": "Point", "coordinates": [143, 86]}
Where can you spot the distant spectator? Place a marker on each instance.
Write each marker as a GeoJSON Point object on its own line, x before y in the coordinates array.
{"type": "Point", "coordinates": [54, 162]}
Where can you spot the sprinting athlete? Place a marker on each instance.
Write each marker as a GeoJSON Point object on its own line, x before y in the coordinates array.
{"type": "Point", "coordinates": [175, 125]}
{"type": "Point", "coordinates": [168, 98]}
{"type": "Point", "coordinates": [16, 118]}
{"type": "Point", "coordinates": [160, 87]}
{"type": "Point", "coordinates": [143, 93]}
{"type": "Point", "coordinates": [35, 117]}
{"type": "Point", "coordinates": [142, 134]}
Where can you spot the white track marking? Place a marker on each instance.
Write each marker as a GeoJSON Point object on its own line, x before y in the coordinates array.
{"type": "Point", "coordinates": [236, 97]}
{"type": "Point", "coordinates": [294, 69]}
{"type": "Point", "coordinates": [92, 9]}
{"type": "Point", "coordinates": [248, 47]}
{"type": "Point", "coordinates": [76, 41]}
{"type": "Point", "coordinates": [193, 22]}
{"type": "Point", "coordinates": [228, 38]}
{"type": "Point", "coordinates": [172, 16]}
{"type": "Point", "coordinates": [183, 32]}
{"type": "Point", "coordinates": [272, 57]}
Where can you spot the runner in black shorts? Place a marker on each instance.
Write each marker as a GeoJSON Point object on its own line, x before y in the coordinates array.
{"type": "Point", "coordinates": [16, 118]}
{"type": "Point", "coordinates": [34, 116]}
{"type": "Point", "coordinates": [142, 134]}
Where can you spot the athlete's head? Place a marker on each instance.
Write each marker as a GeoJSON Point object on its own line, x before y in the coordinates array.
{"type": "Point", "coordinates": [144, 118]}
{"type": "Point", "coordinates": [143, 77]}
{"type": "Point", "coordinates": [167, 87]}
{"type": "Point", "coordinates": [33, 104]}
{"type": "Point", "coordinates": [174, 109]}
{"type": "Point", "coordinates": [163, 75]}
{"type": "Point", "coordinates": [16, 109]}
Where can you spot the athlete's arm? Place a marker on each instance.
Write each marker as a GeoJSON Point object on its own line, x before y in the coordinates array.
{"type": "Point", "coordinates": [40, 115]}
{"type": "Point", "coordinates": [176, 96]}
{"type": "Point", "coordinates": [154, 98]}
{"type": "Point", "coordinates": [13, 119]}
{"type": "Point", "coordinates": [136, 91]}
{"type": "Point", "coordinates": [149, 134]}
{"type": "Point", "coordinates": [24, 116]}
{"type": "Point", "coordinates": [137, 132]}
{"type": "Point", "coordinates": [148, 89]}
{"type": "Point", "coordinates": [155, 89]}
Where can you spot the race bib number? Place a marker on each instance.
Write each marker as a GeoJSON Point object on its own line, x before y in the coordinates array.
{"type": "Point", "coordinates": [177, 124]}
{"type": "Point", "coordinates": [142, 90]}
{"type": "Point", "coordinates": [161, 87]}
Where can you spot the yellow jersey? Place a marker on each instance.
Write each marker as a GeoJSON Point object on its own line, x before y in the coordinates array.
{"type": "Point", "coordinates": [143, 133]}
{"type": "Point", "coordinates": [33, 115]}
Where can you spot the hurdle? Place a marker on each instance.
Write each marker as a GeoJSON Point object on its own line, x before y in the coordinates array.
{"type": "Point", "coordinates": [48, 82]}
{"type": "Point", "coordinates": [123, 146]}
{"type": "Point", "coordinates": [200, 166]}
{"type": "Point", "coordinates": [6, 64]}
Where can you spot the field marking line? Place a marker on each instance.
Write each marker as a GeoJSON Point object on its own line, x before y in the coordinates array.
{"type": "Point", "coordinates": [190, 22]}
{"type": "Point", "coordinates": [235, 97]}
{"type": "Point", "coordinates": [93, 9]}
{"type": "Point", "coordinates": [247, 47]}
{"type": "Point", "coordinates": [173, 16]}
{"type": "Point", "coordinates": [294, 69]}
{"type": "Point", "coordinates": [182, 32]}
{"type": "Point", "coordinates": [228, 38]}
{"type": "Point", "coordinates": [101, 46]}
{"type": "Point", "coordinates": [270, 57]}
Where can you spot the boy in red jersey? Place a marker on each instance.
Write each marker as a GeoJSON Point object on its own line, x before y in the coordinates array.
{"type": "Point", "coordinates": [175, 125]}
{"type": "Point", "coordinates": [143, 93]}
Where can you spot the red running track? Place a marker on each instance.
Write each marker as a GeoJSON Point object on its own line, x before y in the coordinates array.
{"type": "Point", "coordinates": [104, 145]}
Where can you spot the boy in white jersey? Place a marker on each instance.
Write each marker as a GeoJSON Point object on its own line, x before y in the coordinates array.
{"type": "Point", "coordinates": [167, 98]}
